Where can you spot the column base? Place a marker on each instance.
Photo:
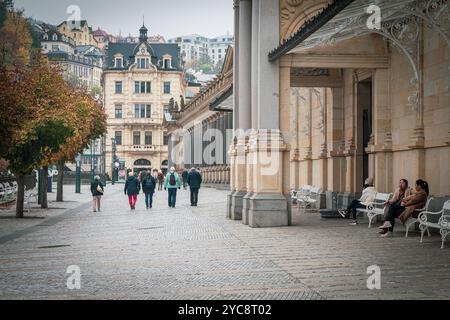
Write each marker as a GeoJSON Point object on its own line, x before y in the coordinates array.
{"type": "Point", "coordinates": [246, 207]}
{"type": "Point", "coordinates": [236, 205]}
{"type": "Point", "coordinates": [268, 210]}
{"type": "Point", "coordinates": [229, 196]}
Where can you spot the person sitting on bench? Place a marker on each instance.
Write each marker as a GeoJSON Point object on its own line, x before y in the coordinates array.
{"type": "Point", "coordinates": [405, 209]}
{"type": "Point", "coordinates": [368, 195]}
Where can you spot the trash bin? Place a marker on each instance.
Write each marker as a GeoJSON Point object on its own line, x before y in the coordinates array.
{"type": "Point", "coordinates": [49, 184]}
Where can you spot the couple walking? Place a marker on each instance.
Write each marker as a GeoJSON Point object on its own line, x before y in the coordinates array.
{"type": "Point", "coordinates": [133, 187]}
{"type": "Point", "coordinates": [173, 183]}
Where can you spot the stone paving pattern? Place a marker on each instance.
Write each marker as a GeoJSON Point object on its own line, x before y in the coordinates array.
{"type": "Point", "coordinates": [196, 253]}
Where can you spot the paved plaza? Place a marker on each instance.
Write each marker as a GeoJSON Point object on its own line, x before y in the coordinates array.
{"type": "Point", "coordinates": [196, 253]}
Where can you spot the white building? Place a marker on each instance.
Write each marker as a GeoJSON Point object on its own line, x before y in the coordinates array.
{"type": "Point", "coordinates": [192, 47]}
{"type": "Point", "coordinates": [218, 47]}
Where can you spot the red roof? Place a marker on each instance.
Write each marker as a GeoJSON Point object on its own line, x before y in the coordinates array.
{"type": "Point", "coordinates": [100, 33]}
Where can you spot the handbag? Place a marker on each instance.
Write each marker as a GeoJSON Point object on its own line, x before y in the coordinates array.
{"type": "Point", "coordinates": [99, 189]}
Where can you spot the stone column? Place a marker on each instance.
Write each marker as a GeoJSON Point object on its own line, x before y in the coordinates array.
{"type": "Point", "coordinates": [235, 117]}
{"type": "Point", "coordinates": [244, 85]}
{"type": "Point", "coordinates": [268, 206]}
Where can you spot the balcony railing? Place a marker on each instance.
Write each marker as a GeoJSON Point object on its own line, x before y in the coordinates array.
{"type": "Point", "coordinates": [145, 148]}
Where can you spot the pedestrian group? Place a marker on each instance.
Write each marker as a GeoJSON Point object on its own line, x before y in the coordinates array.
{"type": "Point", "coordinates": [148, 181]}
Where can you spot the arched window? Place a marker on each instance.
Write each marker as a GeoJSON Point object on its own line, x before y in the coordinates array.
{"type": "Point", "coordinates": [55, 37]}
{"type": "Point", "coordinates": [165, 163]}
{"type": "Point", "coordinates": [142, 162]}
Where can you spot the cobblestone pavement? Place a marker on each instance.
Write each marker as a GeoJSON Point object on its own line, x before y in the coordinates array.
{"type": "Point", "coordinates": [196, 253]}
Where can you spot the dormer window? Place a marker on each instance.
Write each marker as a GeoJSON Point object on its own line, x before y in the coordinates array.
{"type": "Point", "coordinates": [45, 37]}
{"type": "Point", "coordinates": [118, 62]}
{"type": "Point", "coordinates": [167, 63]}
{"type": "Point", "coordinates": [142, 63]}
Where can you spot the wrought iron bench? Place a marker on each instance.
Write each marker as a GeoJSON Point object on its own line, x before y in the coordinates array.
{"type": "Point", "coordinates": [376, 207]}
{"type": "Point", "coordinates": [443, 225]}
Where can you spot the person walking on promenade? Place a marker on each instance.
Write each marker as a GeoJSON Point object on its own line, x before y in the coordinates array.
{"type": "Point", "coordinates": [184, 175]}
{"type": "Point", "coordinates": [97, 191]}
{"type": "Point", "coordinates": [194, 180]}
{"type": "Point", "coordinates": [160, 180]}
{"type": "Point", "coordinates": [131, 189]}
{"type": "Point", "coordinates": [148, 186]}
{"type": "Point", "coordinates": [172, 183]}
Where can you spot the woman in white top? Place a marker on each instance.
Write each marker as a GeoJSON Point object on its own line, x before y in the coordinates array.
{"type": "Point", "coordinates": [368, 195]}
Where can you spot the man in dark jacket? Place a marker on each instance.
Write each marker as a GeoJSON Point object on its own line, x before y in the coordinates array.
{"type": "Point", "coordinates": [97, 193]}
{"type": "Point", "coordinates": [131, 189]}
{"type": "Point", "coordinates": [148, 186]}
{"type": "Point", "coordinates": [194, 180]}
{"type": "Point", "coordinates": [184, 175]}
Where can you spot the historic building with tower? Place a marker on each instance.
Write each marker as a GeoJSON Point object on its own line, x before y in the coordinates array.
{"type": "Point", "coordinates": [139, 82]}
{"type": "Point", "coordinates": [328, 93]}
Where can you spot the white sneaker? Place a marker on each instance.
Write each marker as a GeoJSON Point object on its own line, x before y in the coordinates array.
{"type": "Point", "coordinates": [386, 224]}
{"type": "Point", "coordinates": [343, 213]}
{"type": "Point", "coordinates": [388, 234]}
{"type": "Point", "coordinates": [353, 223]}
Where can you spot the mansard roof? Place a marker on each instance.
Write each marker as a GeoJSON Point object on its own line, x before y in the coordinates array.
{"type": "Point", "coordinates": [158, 51]}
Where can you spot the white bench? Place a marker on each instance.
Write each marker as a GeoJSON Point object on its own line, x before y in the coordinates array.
{"type": "Point", "coordinates": [376, 207]}
{"type": "Point", "coordinates": [307, 199]}
{"type": "Point", "coordinates": [443, 224]}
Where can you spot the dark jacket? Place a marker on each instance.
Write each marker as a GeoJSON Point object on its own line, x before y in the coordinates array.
{"type": "Point", "coordinates": [194, 179]}
{"type": "Point", "coordinates": [94, 185]}
{"type": "Point", "coordinates": [148, 184]}
{"type": "Point", "coordinates": [184, 175]}
{"type": "Point", "coordinates": [132, 186]}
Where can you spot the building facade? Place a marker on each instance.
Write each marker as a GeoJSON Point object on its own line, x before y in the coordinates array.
{"type": "Point", "coordinates": [218, 46]}
{"type": "Point", "coordinates": [139, 82]}
{"type": "Point", "coordinates": [333, 97]}
{"type": "Point", "coordinates": [79, 31]}
{"type": "Point", "coordinates": [201, 131]}
{"type": "Point", "coordinates": [192, 47]}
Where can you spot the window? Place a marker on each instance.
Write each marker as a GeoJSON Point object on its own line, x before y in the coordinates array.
{"type": "Point", "coordinates": [55, 47]}
{"type": "Point", "coordinates": [166, 108]}
{"type": "Point", "coordinates": [142, 111]}
{"type": "Point", "coordinates": [118, 111]}
{"type": "Point", "coordinates": [55, 37]}
{"type": "Point", "coordinates": [166, 87]}
{"type": "Point", "coordinates": [148, 138]}
{"type": "Point", "coordinates": [118, 86]}
{"type": "Point", "coordinates": [167, 63]}
{"type": "Point", "coordinates": [142, 63]}
{"type": "Point", "coordinates": [142, 87]}
{"type": "Point", "coordinates": [136, 87]}
{"type": "Point", "coordinates": [119, 63]}
{"type": "Point", "coordinates": [166, 139]}
{"type": "Point", "coordinates": [136, 138]}
{"type": "Point", "coordinates": [118, 137]}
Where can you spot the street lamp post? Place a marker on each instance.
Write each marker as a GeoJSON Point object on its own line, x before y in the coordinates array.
{"type": "Point", "coordinates": [78, 174]}
{"type": "Point", "coordinates": [92, 159]}
{"type": "Point", "coordinates": [113, 159]}
{"type": "Point", "coordinates": [103, 161]}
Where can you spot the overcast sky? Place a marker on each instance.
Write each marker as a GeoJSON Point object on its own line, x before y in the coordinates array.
{"type": "Point", "coordinates": [170, 18]}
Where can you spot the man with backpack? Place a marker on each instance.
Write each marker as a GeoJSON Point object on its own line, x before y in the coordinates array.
{"type": "Point", "coordinates": [148, 186]}
{"type": "Point", "coordinates": [194, 179]}
{"type": "Point", "coordinates": [172, 183]}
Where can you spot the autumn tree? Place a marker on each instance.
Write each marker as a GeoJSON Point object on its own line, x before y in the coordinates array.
{"type": "Point", "coordinates": [89, 121]}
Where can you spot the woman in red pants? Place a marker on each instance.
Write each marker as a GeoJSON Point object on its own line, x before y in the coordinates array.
{"type": "Point", "coordinates": [132, 187]}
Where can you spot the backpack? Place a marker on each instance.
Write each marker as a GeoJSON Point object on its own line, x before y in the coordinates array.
{"type": "Point", "coordinates": [149, 183]}
{"type": "Point", "coordinates": [172, 180]}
